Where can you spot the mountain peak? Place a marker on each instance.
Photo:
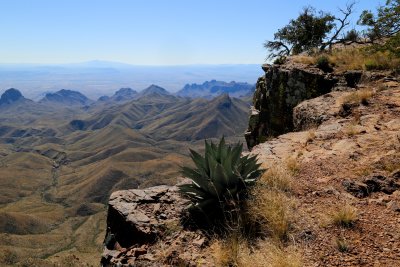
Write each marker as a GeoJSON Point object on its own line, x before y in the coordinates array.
{"type": "Point", "coordinates": [154, 89]}
{"type": "Point", "coordinates": [125, 91]}
{"type": "Point", "coordinates": [11, 95]}
{"type": "Point", "coordinates": [66, 96]}
{"type": "Point", "coordinates": [223, 101]}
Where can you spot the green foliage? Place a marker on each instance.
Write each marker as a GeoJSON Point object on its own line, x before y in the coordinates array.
{"type": "Point", "coordinates": [372, 65]}
{"type": "Point", "coordinates": [220, 181]}
{"type": "Point", "coordinates": [280, 60]}
{"type": "Point", "coordinates": [324, 64]}
{"type": "Point", "coordinates": [302, 34]}
{"type": "Point", "coordinates": [385, 23]}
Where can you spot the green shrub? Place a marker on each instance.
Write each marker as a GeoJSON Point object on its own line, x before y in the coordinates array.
{"type": "Point", "coordinates": [280, 60]}
{"type": "Point", "coordinates": [220, 182]}
{"type": "Point", "coordinates": [374, 65]}
{"type": "Point", "coordinates": [323, 64]}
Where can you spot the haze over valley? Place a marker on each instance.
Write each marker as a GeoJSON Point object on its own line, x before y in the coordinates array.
{"type": "Point", "coordinates": [98, 78]}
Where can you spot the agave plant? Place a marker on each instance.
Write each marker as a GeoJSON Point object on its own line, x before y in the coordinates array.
{"type": "Point", "coordinates": [220, 179]}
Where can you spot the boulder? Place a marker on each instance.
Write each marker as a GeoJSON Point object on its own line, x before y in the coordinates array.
{"type": "Point", "coordinates": [145, 228]}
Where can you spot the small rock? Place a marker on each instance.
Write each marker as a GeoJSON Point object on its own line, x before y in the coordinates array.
{"type": "Point", "coordinates": [139, 251]}
{"type": "Point", "coordinates": [199, 242]}
{"type": "Point", "coordinates": [393, 205]}
{"type": "Point", "coordinates": [395, 175]}
{"type": "Point", "coordinates": [355, 188]}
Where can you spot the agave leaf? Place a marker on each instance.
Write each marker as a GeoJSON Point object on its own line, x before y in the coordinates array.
{"type": "Point", "coordinates": [196, 177]}
{"type": "Point", "coordinates": [193, 192]}
{"type": "Point", "coordinates": [214, 148]}
{"type": "Point", "coordinates": [236, 152]}
{"type": "Point", "coordinates": [250, 166]}
{"type": "Point", "coordinates": [220, 176]}
{"type": "Point", "coordinates": [198, 160]}
{"type": "Point", "coordinates": [227, 164]}
{"type": "Point", "coordinates": [220, 152]}
{"type": "Point", "coordinates": [212, 163]}
{"type": "Point", "coordinates": [210, 152]}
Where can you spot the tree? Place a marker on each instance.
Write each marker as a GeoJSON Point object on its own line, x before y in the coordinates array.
{"type": "Point", "coordinates": [385, 23]}
{"type": "Point", "coordinates": [311, 30]}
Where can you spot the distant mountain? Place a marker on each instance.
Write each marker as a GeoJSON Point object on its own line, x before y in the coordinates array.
{"type": "Point", "coordinates": [154, 93]}
{"type": "Point", "coordinates": [123, 94]}
{"type": "Point", "coordinates": [215, 88]}
{"type": "Point", "coordinates": [34, 79]}
{"type": "Point", "coordinates": [200, 119]}
{"type": "Point", "coordinates": [160, 115]}
{"type": "Point", "coordinates": [154, 90]}
{"type": "Point", "coordinates": [66, 97]}
{"type": "Point", "coordinates": [10, 96]}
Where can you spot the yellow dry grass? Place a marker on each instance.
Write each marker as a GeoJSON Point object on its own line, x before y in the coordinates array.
{"type": "Point", "coordinates": [277, 178]}
{"type": "Point", "coordinates": [353, 58]}
{"type": "Point", "coordinates": [293, 165]}
{"type": "Point", "coordinates": [271, 202]}
{"type": "Point", "coordinates": [275, 210]}
{"type": "Point", "coordinates": [263, 254]}
{"type": "Point", "coordinates": [357, 97]}
{"type": "Point", "coordinates": [310, 135]}
{"type": "Point", "coordinates": [304, 59]}
{"type": "Point", "coordinates": [345, 216]}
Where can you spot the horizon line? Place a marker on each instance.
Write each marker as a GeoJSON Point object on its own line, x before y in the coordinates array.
{"type": "Point", "coordinates": [94, 61]}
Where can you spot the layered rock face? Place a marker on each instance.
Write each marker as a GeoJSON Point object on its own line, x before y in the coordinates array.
{"type": "Point", "coordinates": [280, 90]}
{"type": "Point", "coordinates": [144, 228]}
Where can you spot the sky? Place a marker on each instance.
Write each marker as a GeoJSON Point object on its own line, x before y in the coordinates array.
{"type": "Point", "coordinates": [148, 32]}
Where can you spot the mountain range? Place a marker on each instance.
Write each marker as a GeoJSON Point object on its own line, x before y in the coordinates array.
{"type": "Point", "coordinates": [62, 156]}
{"type": "Point", "coordinates": [213, 88]}
{"type": "Point", "coordinates": [97, 78]}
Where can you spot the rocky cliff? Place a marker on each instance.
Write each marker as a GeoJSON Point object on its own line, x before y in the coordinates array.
{"type": "Point", "coordinates": [281, 89]}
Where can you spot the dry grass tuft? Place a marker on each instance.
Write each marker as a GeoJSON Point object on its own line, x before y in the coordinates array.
{"type": "Point", "coordinates": [358, 97]}
{"type": "Point", "coordinates": [310, 135]}
{"type": "Point", "coordinates": [293, 165]}
{"type": "Point", "coordinates": [346, 216]}
{"type": "Point", "coordinates": [275, 211]}
{"type": "Point", "coordinates": [350, 130]}
{"type": "Point", "coordinates": [342, 245]}
{"type": "Point", "coordinates": [304, 59]}
{"type": "Point", "coordinates": [277, 178]}
{"type": "Point", "coordinates": [264, 254]}
{"type": "Point", "coordinates": [226, 252]}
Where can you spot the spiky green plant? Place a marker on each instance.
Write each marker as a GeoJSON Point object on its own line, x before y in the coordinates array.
{"type": "Point", "coordinates": [220, 180]}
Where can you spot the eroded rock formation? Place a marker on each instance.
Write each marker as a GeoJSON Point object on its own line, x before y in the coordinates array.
{"type": "Point", "coordinates": [281, 89]}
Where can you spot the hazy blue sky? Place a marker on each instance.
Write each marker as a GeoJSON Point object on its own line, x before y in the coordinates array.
{"type": "Point", "coordinates": [151, 32]}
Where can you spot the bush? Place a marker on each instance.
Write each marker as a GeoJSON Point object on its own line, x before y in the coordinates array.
{"type": "Point", "coordinates": [323, 64]}
{"type": "Point", "coordinates": [220, 182]}
{"type": "Point", "coordinates": [373, 65]}
{"type": "Point", "coordinates": [280, 60]}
